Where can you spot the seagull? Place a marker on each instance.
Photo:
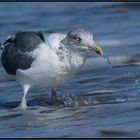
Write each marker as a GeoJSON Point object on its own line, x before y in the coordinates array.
{"type": "Point", "coordinates": [46, 59]}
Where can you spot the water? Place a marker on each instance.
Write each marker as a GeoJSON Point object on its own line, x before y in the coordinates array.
{"type": "Point", "coordinates": [99, 101]}
{"type": "Point", "coordinates": [108, 61]}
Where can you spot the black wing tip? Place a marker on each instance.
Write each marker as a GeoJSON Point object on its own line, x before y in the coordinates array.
{"type": "Point", "coordinates": [1, 46]}
{"type": "Point", "coordinates": [9, 40]}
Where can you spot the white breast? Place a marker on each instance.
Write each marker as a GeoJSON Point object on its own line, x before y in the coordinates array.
{"type": "Point", "coordinates": [48, 70]}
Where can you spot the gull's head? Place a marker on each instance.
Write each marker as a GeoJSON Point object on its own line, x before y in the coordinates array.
{"type": "Point", "coordinates": [83, 40]}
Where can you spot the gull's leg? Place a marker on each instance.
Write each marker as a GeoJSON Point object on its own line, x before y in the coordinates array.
{"type": "Point", "coordinates": [54, 98]}
{"type": "Point", "coordinates": [53, 95]}
{"type": "Point", "coordinates": [23, 103]}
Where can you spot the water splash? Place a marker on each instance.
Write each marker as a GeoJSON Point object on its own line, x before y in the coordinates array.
{"type": "Point", "coordinates": [137, 82]}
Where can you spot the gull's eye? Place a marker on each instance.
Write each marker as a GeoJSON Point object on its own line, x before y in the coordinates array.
{"type": "Point", "coordinates": [77, 39]}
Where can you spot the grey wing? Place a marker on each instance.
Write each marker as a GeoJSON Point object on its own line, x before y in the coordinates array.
{"type": "Point", "coordinates": [16, 52]}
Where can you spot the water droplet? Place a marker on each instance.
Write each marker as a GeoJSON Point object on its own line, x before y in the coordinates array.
{"type": "Point", "coordinates": [108, 61]}
{"type": "Point", "coordinates": [137, 82]}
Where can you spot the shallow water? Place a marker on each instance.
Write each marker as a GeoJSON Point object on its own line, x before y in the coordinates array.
{"type": "Point", "coordinates": [100, 101]}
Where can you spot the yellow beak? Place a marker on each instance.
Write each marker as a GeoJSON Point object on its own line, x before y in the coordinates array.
{"type": "Point", "coordinates": [97, 49]}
